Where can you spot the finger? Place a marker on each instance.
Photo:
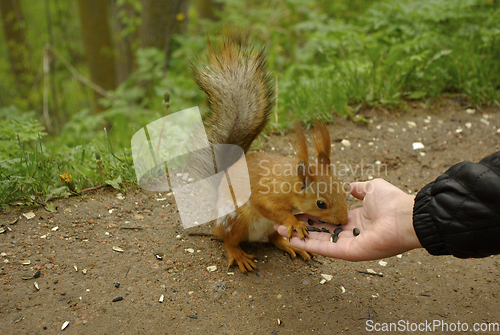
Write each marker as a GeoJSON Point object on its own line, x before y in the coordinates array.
{"type": "Point", "coordinates": [324, 247]}
{"type": "Point", "coordinates": [358, 189]}
{"type": "Point", "coordinates": [283, 231]}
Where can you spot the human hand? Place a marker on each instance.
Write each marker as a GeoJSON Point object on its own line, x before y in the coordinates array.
{"type": "Point", "coordinates": [385, 223]}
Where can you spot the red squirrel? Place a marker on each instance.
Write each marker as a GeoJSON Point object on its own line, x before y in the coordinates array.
{"type": "Point", "coordinates": [240, 96]}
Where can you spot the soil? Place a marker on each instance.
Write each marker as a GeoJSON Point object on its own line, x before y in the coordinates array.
{"type": "Point", "coordinates": [285, 296]}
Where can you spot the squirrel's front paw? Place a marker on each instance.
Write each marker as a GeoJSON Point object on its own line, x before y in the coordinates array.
{"type": "Point", "coordinates": [299, 227]}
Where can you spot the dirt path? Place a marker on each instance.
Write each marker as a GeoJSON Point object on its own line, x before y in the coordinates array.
{"type": "Point", "coordinates": [285, 296]}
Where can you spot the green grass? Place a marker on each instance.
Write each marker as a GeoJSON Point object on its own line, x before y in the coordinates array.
{"type": "Point", "coordinates": [327, 57]}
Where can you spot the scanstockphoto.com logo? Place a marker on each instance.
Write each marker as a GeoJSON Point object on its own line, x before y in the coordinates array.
{"type": "Point", "coordinates": [173, 153]}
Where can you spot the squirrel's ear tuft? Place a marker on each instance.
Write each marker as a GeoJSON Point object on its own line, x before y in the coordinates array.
{"type": "Point", "coordinates": [303, 156]}
{"type": "Point", "coordinates": [301, 145]}
{"type": "Point", "coordinates": [322, 145]}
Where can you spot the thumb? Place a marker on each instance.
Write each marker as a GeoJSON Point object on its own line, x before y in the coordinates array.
{"type": "Point", "coordinates": [358, 189]}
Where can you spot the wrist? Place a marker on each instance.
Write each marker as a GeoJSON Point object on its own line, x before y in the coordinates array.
{"type": "Point", "coordinates": [410, 238]}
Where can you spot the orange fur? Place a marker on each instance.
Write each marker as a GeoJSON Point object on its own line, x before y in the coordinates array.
{"type": "Point", "coordinates": [279, 192]}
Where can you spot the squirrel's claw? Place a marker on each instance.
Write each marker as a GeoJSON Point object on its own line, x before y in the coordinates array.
{"type": "Point", "coordinates": [244, 260]}
{"type": "Point", "coordinates": [300, 228]}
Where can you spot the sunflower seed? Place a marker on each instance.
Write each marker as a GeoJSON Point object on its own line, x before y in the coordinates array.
{"type": "Point", "coordinates": [161, 298]}
{"type": "Point", "coordinates": [36, 286]}
{"type": "Point", "coordinates": [26, 277]}
{"type": "Point", "coordinates": [117, 284]}
{"type": "Point", "coordinates": [84, 271]}
{"type": "Point", "coordinates": [117, 299]}
{"type": "Point", "coordinates": [310, 222]}
{"type": "Point", "coordinates": [18, 319]}
{"type": "Point", "coordinates": [355, 231]}
{"type": "Point", "coordinates": [325, 230]}
{"type": "Point", "coordinates": [25, 262]}
{"type": "Point", "coordinates": [159, 255]}
{"type": "Point", "coordinates": [37, 274]}
{"type": "Point", "coordinates": [337, 230]}
{"type": "Point", "coordinates": [117, 249]}
{"type": "Point", "coordinates": [75, 267]}
{"type": "Point", "coordinates": [334, 238]}
{"type": "Point", "coordinates": [2, 230]}
{"type": "Point", "coordinates": [65, 324]}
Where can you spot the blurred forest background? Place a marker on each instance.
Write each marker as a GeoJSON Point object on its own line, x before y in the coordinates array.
{"type": "Point", "coordinates": [80, 77]}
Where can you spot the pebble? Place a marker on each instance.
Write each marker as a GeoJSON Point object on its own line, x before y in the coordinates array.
{"type": "Point", "coordinates": [29, 215]}
{"type": "Point", "coordinates": [411, 124]}
{"type": "Point", "coordinates": [327, 277]}
{"type": "Point", "coordinates": [417, 145]}
{"type": "Point", "coordinates": [346, 143]}
{"type": "Point", "coordinates": [212, 268]}
{"type": "Point", "coordinates": [486, 122]}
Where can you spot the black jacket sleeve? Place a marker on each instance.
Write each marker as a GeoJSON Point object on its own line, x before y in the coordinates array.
{"type": "Point", "coordinates": [459, 213]}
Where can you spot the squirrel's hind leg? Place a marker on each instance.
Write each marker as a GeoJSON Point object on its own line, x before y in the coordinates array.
{"type": "Point", "coordinates": [233, 232]}
{"type": "Point", "coordinates": [282, 243]}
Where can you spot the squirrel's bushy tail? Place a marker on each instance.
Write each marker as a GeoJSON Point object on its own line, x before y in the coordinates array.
{"type": "Point", "coordinates": [238, 89]}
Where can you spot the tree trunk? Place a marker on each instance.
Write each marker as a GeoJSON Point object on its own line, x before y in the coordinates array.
{"type": "Point", "coordinates": [161, 19]}
{"type": "Point", "coordinates": [207, 9]}
{"type": "Point", "coordinates": [98, 45]}
{"type": "Point", "coordinates": [12, 19]}
{"type": "Point", "coordinates": [126, 35]}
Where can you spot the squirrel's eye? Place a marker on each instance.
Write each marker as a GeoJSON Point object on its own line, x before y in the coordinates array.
{"type": "Point", "coordinates": [321, 204]}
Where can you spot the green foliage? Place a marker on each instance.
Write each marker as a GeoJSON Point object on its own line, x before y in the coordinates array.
{"type": "Point", "coordinates": [31, 167]}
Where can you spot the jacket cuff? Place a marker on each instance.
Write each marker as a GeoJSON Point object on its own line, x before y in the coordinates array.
{"type": "Point", "coordinates": [424, 226]}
